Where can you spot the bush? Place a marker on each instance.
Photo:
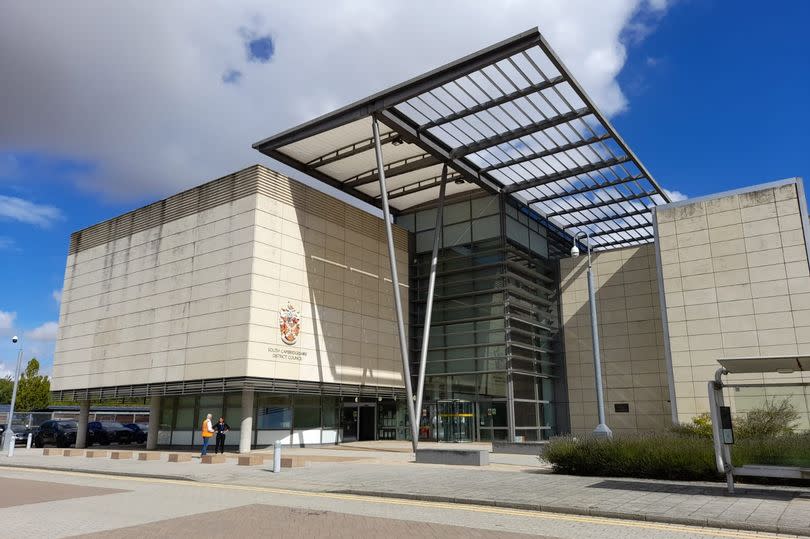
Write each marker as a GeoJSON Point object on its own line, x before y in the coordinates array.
{"type": "Point", "coordinates": [782, 450]}
{"type": "Point", "coordinates": [701, 425]}
{"type": "Point", "coordinates": [654, 456]}
{"type": "Point", "coordinates": [772, 419]}
{"type": "Point", "coordinates": [668, 455]}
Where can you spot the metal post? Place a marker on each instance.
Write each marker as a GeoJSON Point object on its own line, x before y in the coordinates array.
{"type": "Point", "coordinates": [434, 262]}
{"type": "Point", "coordinates": [722, 454]}
{"type": "Point", "coordinates": [389, 234]}
{"type": "Point", "coordinates": [9, 434]}
{"type": "Point", "coordinates": [601, 429]}
{"type": "Point", "coordinates": [28, 441]}
{"type": "Point", "coordinates": [277, 456]}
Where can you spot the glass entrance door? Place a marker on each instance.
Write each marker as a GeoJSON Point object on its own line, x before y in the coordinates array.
{"type": "Point", "coordinates": [359, 421]}
{"type": "Point", "coordinates": [455, 421]}
{"type": "Point", "coordinates": [350, 420]}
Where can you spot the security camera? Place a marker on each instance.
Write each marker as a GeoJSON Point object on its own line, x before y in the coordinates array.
{"type": "Point", "coordinates": [14, 339]}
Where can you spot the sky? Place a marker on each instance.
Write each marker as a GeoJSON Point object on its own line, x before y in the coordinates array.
{"type": "Point", "coordinates": [105, 107]}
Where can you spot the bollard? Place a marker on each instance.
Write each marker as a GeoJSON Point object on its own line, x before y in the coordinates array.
{"type": "Point", "coordinates": [277, 457]}
{"type": "Point", "coordinates": [28, 442]}
{"type": "Point", "coordinates": [11, 444]}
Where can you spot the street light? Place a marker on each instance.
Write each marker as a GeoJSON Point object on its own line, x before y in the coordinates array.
{"type": "Point", "coordinates": [601, 430]}
{"type": "Point", "coordinates": [9, 434]}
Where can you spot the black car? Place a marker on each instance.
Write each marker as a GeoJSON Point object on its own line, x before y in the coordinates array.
{"type": "Point", "coordinates": [20, 433]}
{"type": "Point", "coordinates": [107, 432]}
{"type": "Point", "coordinates": [139, 431]}
{"type": "Point", "coordinates": [58, 432]}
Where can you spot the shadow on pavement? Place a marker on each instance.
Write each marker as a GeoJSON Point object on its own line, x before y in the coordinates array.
{"type": "Point", "coordinates": [697, 490]}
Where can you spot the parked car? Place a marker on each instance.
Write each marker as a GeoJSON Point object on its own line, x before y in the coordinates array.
{"type": "Point", "coordinates": [107, 432]}
{"type": "Point", "coordinates": [20, 433]}
{"type": "Point", "coordinates": [58, 432]}
{"type": "Point", "coordinates": [139, 431]}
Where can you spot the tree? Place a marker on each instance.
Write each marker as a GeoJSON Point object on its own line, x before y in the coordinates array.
{"type": "Point", "coordinates": [34, 390]}
{"type": "Point", "coordinates": [6, 387]}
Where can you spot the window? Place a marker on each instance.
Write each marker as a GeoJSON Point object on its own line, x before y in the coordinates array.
{"type": "Point", "coordinates": [274, 412]}
{"type": "Point", "coordinates": [331, 412]}
{"type": "Point", "coordinates": [307, 412]}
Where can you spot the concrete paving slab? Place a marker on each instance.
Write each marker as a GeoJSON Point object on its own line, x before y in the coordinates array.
{"type": "Point", "coordinates": [757, 507]}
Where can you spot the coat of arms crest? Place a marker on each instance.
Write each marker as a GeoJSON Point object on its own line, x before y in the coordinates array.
{"type": "Point", "coordinates": [289, 323]}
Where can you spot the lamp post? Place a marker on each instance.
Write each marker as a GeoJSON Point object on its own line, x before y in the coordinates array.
{"type": "Point", "coordinates": [601, 430]}
{"type": "Point", "coordinates": [9, 433]}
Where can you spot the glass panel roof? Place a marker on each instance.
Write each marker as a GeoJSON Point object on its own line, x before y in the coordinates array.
{"type": "Point", "coordinates": [510, 118]}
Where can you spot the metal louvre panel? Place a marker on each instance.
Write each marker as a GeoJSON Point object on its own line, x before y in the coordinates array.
{"type": "Point", "coordinates": [209, 195]}
{"type": "Point", "coordinates": [248, 182]}
{"type": "Point", "coordinates": [224, 385]}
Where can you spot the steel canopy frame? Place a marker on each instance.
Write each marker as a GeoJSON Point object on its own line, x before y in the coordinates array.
{"type": "Point", "coordinates": [509, 120]}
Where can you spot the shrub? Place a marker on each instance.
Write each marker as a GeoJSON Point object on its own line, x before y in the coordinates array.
{"type": "Point", "coordinates": [668, 455]}
{"type": "Point", "coordinates": [701, 425]}
{"type": "Point", "coordinates": [655, 456]}
{"type": "Point", "coordinates": [772, 419]}
{"type": "Point", "coordinates": [787, 449]}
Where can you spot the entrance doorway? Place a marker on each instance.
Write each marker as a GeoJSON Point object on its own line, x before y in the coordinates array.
{"type": "Point", "coordinates": [359, 421]}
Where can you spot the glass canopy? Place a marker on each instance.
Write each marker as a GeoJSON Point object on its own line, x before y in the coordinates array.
{"type": "Point", "coordinates": [510, 118]}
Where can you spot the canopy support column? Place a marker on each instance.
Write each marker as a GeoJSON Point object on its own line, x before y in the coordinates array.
{"type": "Point", "coordinates": [392, 258]}
{"type": "Point", "coordinates": [434, 261]}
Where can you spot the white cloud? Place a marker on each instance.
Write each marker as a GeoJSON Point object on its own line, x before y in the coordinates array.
{"type": "Point", "coordinates": [675, 196]}
{"type": "Point", "coordinates": [5, 371]}
{"type": "Point", "coordinates": [6, 242]}
{"type": "Point", "coordinates": [45, 332]}
{"type": "Point", "coordinates": [139, 91]}
{"type": "Point", "coordinates": [7, 323]}
{"type": "Point", "coordinates": [57, 296]}
{"type": "Point", "coordinates": [25, 211]}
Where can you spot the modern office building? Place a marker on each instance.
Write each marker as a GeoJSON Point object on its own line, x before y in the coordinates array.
{"type": "Point", "coordinates": [269, 302]}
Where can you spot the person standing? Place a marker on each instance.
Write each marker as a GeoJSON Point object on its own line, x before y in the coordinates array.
{"type": "Point", "coordinates": [207, 433]}
{"type": "Point", "coordinates": [221, 428]}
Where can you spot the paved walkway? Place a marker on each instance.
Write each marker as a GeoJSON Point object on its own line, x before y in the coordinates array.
{"type": "Point", "coordinates": [513, 481]}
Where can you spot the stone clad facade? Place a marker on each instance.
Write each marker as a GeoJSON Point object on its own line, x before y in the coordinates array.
{"type": "Point", "coordinates": [728, 276]}
{"type": "Point", "coordinates": [631, 337]}
{"type": "Point", "coordinates": [736, 283]}
{"type": "Point", "coordinates": [190, 288]}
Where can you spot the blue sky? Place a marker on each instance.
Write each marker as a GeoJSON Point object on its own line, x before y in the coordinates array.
{"type": "Point", "coordinates": [710, 95]}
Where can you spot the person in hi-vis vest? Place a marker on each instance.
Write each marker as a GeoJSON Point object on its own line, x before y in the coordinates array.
{"type": "Point", "coordinates": [207, 433]}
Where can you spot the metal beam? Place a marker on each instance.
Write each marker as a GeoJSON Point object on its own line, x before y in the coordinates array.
{"type": "Point", "coordinates": [513, 134]}
{"type": "Point", "coordinates": [548, 153]}
{"type": "Point", "coordinates": [434, 262]}
{"type": "Point", "coordinates": [601, 204]}
{"type": "Point", "coordinates": [318, 175]}
{"type": "Point", "coordinates": [577, 87]}
{"type": "Point", "coordinates": [534, 88]}
{"type": "Point", "coordinates": [351, 149]}
{"type": "Point", "coordinates": [428, 143]}
{"type": "Point", "coordinates": [640, 239]}
{"type": "Point", "coordinates": [587, 189]}
{"type": "Point", "coordinates": [606, 219]}
{"type": "Point", "coordinates": [403, 166]}
{"type": "Point", "coordinates": [402, 92]}
{"type": "Point", "coordinates": [557, 176]}
{"type": "Point", "coordinates": [623, 229]}
{"type": "Point", "coordinates": [419, 186]}
{"type": "Point", "coordinates": [392, 258]}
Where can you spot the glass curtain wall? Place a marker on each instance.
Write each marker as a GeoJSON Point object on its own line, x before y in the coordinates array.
{"type": "Point", "coordinates": [494, 333]}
